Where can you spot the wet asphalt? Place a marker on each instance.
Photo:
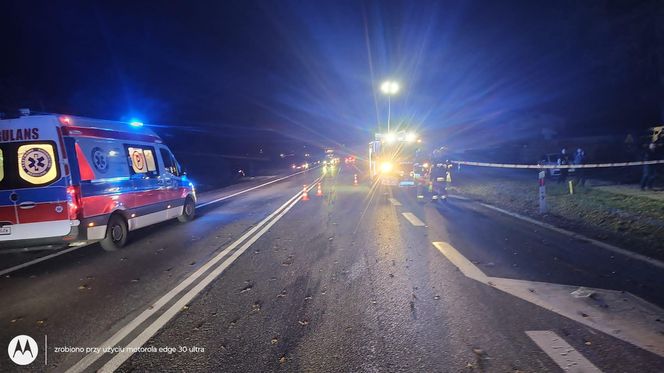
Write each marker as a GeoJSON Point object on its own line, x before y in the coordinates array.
{"type": "Point", "coordinates": [341, 283]}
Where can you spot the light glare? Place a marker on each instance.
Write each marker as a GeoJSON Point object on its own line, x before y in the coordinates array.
{"type": "Point", "coordinates": [390, 138]}
{"type": "Point", "coordinates": [389, 87]}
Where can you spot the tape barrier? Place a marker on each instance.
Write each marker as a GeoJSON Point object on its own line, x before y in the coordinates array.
{"type": "Point", "coordinates": [544, 167]}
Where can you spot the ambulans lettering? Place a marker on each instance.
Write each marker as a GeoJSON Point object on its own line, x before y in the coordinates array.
{"type": "Point", "coordinates": [20, 134]}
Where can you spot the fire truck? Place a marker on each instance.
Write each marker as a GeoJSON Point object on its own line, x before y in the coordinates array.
{"type": "Point", "coordinates": [392, 157]}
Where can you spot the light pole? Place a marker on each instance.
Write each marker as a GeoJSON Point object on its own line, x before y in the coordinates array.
{"type": "Point", "coordinates": [389, 88]}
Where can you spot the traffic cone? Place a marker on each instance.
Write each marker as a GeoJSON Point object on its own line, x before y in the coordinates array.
{"type": "Point", "coordinates": [355, 179]}
{"type": "Point", "coordinates": [319, 190]}
{"type": "Point", "coordinates": [305, 194]}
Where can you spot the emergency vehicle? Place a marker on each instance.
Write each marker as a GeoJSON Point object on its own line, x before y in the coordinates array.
{"type": "Point", "coordinates": [392, 157]}
{"type": "Point", "coordinates": [67, 179]}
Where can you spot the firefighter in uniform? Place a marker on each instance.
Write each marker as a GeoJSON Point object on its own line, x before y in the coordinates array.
{"type": "Point", "coordinates": [440, 175]}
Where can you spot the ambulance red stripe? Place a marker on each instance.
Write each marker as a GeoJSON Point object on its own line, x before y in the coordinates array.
{"type": "Point", "coordinates": [105, 204]}
{"type": "Point", "coordinates": [44, 212]}
{"type": "Point", "coordinates": [8, 214]}
{"type": "Point", "coordinates": [108, 134]}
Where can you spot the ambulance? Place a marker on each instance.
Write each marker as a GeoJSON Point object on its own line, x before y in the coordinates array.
{"type": "Point", "coordinates": [71, 180]}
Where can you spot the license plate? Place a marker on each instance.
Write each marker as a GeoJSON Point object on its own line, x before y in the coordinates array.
{"type": "Point", "coordinates": [5, 231]}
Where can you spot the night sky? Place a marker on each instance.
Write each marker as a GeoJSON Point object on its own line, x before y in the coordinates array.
{"type": "Point", "coordinates": [247, 74]}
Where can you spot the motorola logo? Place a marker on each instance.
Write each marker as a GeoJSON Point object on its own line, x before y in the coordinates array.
{"type": "Point", "coordinates": [22, 350]}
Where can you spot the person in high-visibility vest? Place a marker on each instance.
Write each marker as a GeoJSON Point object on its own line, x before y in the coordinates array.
{"type": "Point", "coordinates": [439, 174]}
{"type": "Point", "coordinates": [437, 180]}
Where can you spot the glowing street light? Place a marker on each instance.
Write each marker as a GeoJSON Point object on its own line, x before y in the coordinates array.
{"type": "Point", "coordinates": [389, 87]}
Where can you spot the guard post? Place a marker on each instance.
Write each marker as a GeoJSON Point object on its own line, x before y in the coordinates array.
{"type": "Point", "coordinates": [542, 192]}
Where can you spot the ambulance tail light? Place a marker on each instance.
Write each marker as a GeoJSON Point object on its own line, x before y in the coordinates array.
{"type": "Point", "coordinates": [73, 202]}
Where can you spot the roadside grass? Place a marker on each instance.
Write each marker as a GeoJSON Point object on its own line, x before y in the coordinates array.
{"type": "Point", "coordinates": [631, 222]}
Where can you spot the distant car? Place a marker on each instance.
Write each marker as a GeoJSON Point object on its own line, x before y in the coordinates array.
{"type": "Point", "coordinates": [551, 159]}
{"type": "Point", "coordinates": [302, 166]}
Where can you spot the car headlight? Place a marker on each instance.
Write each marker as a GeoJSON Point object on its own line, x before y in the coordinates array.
{"type": "Point", "coordinates": [386, 167]}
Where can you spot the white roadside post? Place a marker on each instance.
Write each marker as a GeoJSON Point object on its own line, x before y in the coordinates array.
{"type": "Point", "coordinates": [542, 192]}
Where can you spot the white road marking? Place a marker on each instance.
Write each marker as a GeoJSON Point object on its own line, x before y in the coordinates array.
{"type": "Point", "coordinates": [153, 328]}
{"type": "Point", "coordinates": [619, 314]}
{"type": "Point", "coordinates": [39, 260]}
{"type": "Point", "coordinates": [248, 189]}
{"type": "Point", "coordinates": [604, 245]}
{"type": "Point", "coordinates": [414, 220]}
{"type": "Point", "coordinates": [566, 356]}
{"type": "Point", "coordinates": [464, 265]}
{"type": "Point", "coordinates": [121, 334]}
{"type": "Point", "coordinates": [394, 202]}
{"type": "Point", "coordinates": [70, 249]}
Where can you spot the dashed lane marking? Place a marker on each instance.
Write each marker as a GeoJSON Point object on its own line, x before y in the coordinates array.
{"type": "Point", "coordinates": [394, 202]}
{"type": "Point", "coordinates": [566, 356]}
{"type": "Point", "coordinates": [414, 220]}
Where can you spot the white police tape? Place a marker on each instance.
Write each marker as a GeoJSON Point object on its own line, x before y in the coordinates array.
{"type": "Point", "coordinates": [542, 167]}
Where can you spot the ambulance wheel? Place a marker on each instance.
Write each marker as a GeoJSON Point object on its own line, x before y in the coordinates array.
{"type": "Point", "coordinates": [116, 233]}
{"type": "Point", "coordinates": [188, 211]}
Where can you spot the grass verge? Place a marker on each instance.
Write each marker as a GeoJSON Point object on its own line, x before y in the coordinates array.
{"type": "Point", "coordinates": [631, 222]}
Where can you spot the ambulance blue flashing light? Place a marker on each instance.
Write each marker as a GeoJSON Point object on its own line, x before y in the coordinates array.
{"type": "Point", "coordinates": [136, 123]}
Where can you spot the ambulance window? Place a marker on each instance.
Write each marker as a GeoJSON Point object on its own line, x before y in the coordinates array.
{"type": "Point", "coordinates": [178, 170]}
{"type": "Point", "coordinates": [37, 163]}
{"type": "Point", "coordinates": [142, 161]}
{"type": "Point", "coordinates": [169, 162]}
{"type": "Point", "coordinates": [149, 160]}
{"type": "Point", "coordinates": [104, 157]}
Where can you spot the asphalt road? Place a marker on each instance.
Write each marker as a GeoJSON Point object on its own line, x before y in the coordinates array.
{"type": "Point", "coordinates": [347, 281]}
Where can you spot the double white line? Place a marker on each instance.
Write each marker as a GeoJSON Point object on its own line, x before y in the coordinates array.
{"type": "Point", "coordinates": [214, 269]}
{"type": "Point", "coordinates": [199, 205]}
